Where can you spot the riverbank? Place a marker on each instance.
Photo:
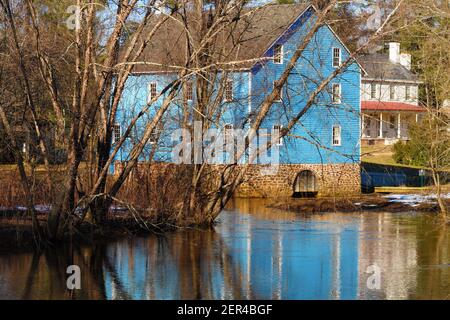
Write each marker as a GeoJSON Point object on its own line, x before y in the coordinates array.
{"type": "Point", "coordinates": [392, 203]}
{"type": "Point", "coordinates": [16, 232]}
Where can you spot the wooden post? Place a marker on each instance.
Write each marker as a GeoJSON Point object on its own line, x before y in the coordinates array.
{"type": "Point", "coordinates": [399, 124]}
{"type": "Point", "coordinates": [381, 125]}
{"type": "Point", "coordinates": [363, 124]}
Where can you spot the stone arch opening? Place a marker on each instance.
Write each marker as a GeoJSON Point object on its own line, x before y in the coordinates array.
{"type": "Point", "coordinates": [306, 185]}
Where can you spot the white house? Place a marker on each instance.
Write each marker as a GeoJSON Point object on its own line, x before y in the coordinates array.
{"type": "Point", "coordinates": [389, 97]}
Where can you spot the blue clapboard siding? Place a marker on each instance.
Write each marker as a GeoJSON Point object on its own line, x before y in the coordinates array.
{"type": "Point", "coordinates": [310, 142]}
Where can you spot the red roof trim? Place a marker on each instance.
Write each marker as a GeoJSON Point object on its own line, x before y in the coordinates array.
{"type": "Point", "coordinates": [390, 106]}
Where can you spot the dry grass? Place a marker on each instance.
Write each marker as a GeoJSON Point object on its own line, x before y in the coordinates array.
{"type": "Point", "coordinates": [362, 204]}
{"type": "Point", "coordinates": [12, 193]}
{"type": "Point", "coordinates": [158, 194]}
{"type": "Point", "coordinates": [378, 155]}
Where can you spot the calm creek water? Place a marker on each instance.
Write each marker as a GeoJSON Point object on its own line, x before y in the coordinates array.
{"type": "Point", "coordinates": [253, 253]}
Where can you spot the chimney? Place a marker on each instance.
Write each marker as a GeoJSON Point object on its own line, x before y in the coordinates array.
{"type": "Point", "coordinates": [394, 52]}
{"type": "Point", "coordinates": [405, 60]}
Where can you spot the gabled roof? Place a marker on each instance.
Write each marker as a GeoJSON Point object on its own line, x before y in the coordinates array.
{"type": "Point", "coordinates": [245, 39]}
{"type": "Point", "coordinates": [390, 106]}
{"type": "Point", "coordinates": [379, 67]}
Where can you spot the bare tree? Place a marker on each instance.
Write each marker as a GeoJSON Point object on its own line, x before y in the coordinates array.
{"type": "Point", "coordinates": [428, 38]}
{"type": "Point", "coordinates": [101, 66]}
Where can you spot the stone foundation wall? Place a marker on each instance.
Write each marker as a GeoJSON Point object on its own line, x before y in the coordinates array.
{"type": "Point", "coordinates": [334, 180]}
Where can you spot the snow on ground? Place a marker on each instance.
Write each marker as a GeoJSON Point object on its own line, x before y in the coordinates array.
{"type": "Point", "coordinates": [46, 208]}
{"type": "Point", "coordinates": [38, 208]}
{"type": "Point", "coordinates": [415, 199]}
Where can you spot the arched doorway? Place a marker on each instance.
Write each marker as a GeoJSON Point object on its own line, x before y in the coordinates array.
{"type": "Point", "coordinates": [306, 185]}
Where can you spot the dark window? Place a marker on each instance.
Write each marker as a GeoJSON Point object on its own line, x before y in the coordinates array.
{"type": "Point", "coordinates": [336, 57]}
{"type": "Point", "coordinates": [392, 92]}
{"type": "Point", "coordinates": [229, 90]}
{"type": "Point", "coordinates": [188, 94]}
{"type": "Point", "coordinates": [373, 91]}
{"type": "Point", "coordinates": [278, 54]}
{"type": "Point", "coordinates": [392, 121]}
{"type": "Point", "coordinates": [337, 135]}
{"type": "Point", "coordinates": [153, 91]}
{"type": "Point", "coordinates": [336, 94]}
{"type": "Point", "coordinates": [156, 132]}
{"type": "Point", "coordinates": [408, 93]}
{"type": "Point", "coordinates": [228, 131]}
{"type": "Point", "coordinates": [278, 128]}
{"type": "Point", "coordinates": [116, 132]}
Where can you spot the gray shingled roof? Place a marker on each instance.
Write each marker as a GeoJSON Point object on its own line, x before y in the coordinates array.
{"type": "Point", "coordinates": [378, 66]}
{"type": "Point", "coordinates": [247, 38]}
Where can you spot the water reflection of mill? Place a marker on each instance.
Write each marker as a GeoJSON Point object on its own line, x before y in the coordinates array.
{"type": "Point", "coordinates": [260, 254]}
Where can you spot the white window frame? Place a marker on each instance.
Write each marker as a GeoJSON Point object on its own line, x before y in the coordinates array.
{"type": "Point", "coordinates": [392, 92]}
{"type": "Point", "coordinates": [280, 97]}
{"type": "Point", "coordinates": [332, 57]}
{"type": "Point", "coordinates": [229, 84]}
{"type": "Point", "coordinates": [155, 134]}
{"type": "Point", "coordinates": [116, 132]}
{"type": "Point", "coordinates": [373, 91]}
{"type": "Point", "coordinates": [226, 128]}
{"type": "Point", "coordinates": [153, 137]}
{"type": "Point", "coordinates": [408, 92]}
{"type": "Point", "coordinates": [279, 56]}
{"type": "Point", "coordinates": [280, 140]}
{"type": "Point", "coordinates": [336, 141]}
{"type": "Point", "coordinates": [339, 100]}
{"type": "Point", "coordinates": [150, 92]}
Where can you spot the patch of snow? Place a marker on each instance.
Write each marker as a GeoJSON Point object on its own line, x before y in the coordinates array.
{"type": "Point", "coordinates": [42, 208]}
{"type": "Point", "coordinates": [415, 200]}
{"type": "Point", "coordinates": [118, 208]}
{"type": "Point", "coordinates": [39, 208]}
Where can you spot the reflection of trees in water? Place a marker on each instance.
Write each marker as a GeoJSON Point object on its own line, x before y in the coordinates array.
{"type": "Point", "coordinates": [46, 275]}
{"type": "Point", "coordinates": [193, 264]}
{"type": "Point", "coordinates": [42, 275]}
{"type": "Point", "coordinates": [186, 265]}
{"type": "Point", "coordinates": [434, 259]}
{"type": "Point", "coordinates": [204, 264]}
{"type": "Point", "coordinates": [413, 253]}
